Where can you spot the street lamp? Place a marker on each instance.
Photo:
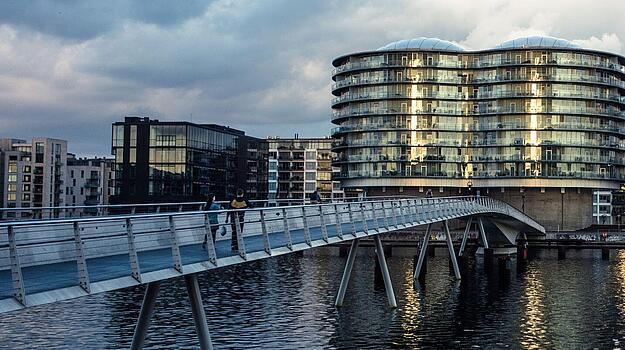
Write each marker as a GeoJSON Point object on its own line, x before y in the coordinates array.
{"type": "Point", "coordinates": [469, 185]}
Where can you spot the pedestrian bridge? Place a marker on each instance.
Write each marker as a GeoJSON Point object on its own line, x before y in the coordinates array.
{"type": "Point", "coordinates": [45, 261]}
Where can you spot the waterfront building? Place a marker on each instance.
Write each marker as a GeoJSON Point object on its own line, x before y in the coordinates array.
{"type": "Point", "coordinates": [32, 174]}
{"type": "Point", "coordinates": [89, 181]}
{"type": "Point", "coordinates": [300, 166]}
{"type": "Point", "coordinates": [536, 121]}
{"type": "Point", "coordinates": [175, 161]}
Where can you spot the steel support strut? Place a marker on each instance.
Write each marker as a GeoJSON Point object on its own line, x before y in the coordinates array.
{"type": "Point", "coordinates": [482, 232]}
{"type": "Point", "coordinates": [452, 253]}
{"type": "Point", "coordinates": [465, 236]}
{"type": "Point", "coordinates": [347, 273]}
{"type": "Point", "coordinates": [422, 253]}
{"type": "Point", "coordinates": [193, 288]}
{"type": "Point", "coordinates": [145, 315]}
{"type": "Point", "coordinates": [385, 274]}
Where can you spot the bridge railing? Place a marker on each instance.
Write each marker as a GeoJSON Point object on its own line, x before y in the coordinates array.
{"type": "Point", "coordinates": [100, 253]}
{"type": "Point", "coordinates": [56, 212]}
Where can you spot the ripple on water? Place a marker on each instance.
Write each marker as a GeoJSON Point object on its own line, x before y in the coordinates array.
{"type": "Point", "coordinates": [287, 303]}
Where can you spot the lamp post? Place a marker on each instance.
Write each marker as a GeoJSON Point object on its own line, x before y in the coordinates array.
{"type": "Point", "coordinates": [470, 185]}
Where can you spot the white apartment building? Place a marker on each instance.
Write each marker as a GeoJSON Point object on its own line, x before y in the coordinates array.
{"type": "Point", "coordinates": [89, 181]}
{"type": "Point", "coordinates": [32, 174]}
{"type": "Point", "coordinates": [298, 167]}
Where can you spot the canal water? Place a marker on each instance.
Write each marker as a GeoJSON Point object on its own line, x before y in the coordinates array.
{"type": "Point", "coordinates": [287, 303]}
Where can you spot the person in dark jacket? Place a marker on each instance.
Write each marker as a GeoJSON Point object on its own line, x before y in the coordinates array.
{"type": "Point", "coordinates": [212, 218]}
{"type": "Point", "coordinates": [315, 198]}
{"type": "Point", "coordinates": [237, 203]}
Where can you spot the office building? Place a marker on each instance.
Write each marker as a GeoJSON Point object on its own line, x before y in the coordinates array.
{"type": "Point", "coordinates": [300, 166]}
{"type": "Point", "coordinates": [166, 161]}
{"type": "Point", "coordinates": [536, 121]}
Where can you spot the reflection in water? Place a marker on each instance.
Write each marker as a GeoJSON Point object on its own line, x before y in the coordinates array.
{"type": "Point", "coordinates": [287, 303]}
{"type": "Point", "coordinates": [532, 327]}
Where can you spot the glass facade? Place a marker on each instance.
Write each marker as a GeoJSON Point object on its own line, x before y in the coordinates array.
{"type": "Point", "coordinates": [518, 111]}
{"type": "Point", "coordinates": [174, 161]}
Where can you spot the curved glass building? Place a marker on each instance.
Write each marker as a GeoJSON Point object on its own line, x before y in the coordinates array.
{"type": "Point", "coordinates": [535, 119]}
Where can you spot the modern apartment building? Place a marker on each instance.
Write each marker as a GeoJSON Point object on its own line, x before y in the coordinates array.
{"type": "Point", "coordinates": [165, 161]}
{"type": "Point", "coordinates": [298, 167]}
{"type": "Point", "coordinates": [536, 121]}
{"type": "Point", "coordinates": [89, 181]}
{"type": "Point", "coordinates": [32, 174]}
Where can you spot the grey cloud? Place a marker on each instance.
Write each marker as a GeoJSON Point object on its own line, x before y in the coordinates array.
{"type": "Point", "coordinates": [262, 66]}
{"type": "Point", "coordinates": [84, 19]}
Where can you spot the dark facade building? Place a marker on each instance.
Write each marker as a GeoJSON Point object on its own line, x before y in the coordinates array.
{"type": "Point", "coordinates": [180, 161]}
{"type": "Point", "coordinates": [535, 121]}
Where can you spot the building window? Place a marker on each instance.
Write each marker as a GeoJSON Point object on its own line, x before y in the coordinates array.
{"type": "Point", "coordinates": [26, 187]}
{"type": "Point", "coordinates": [311, 165]}
{"type": "Point", "coordinates": [82, 174]}
{"type": "Point", "coordinates": [26, 178]}
{"type": "Point", "coordinates": [11, 197]}
{"type": "Point", "coordinates": [12, 178]}
{"type": "Point", "coordinates": [26, 169]}
{"type": "Point", "coordinates": [12, 167]}
{"type": "Point", "coordinates": [12, 187]}
{"type": "Point", "coordinates": [26, 197]}
{"type": "Point", "coordinates": [310, 176]}
{"type": "Point", "coordinates": [310, 186]}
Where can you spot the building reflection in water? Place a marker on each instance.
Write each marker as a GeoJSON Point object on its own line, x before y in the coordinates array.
{"type": "Point", "coordinates": [532, 327]}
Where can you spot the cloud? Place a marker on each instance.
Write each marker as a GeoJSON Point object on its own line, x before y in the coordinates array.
{"type": "Point", "coordinates": [70, 68]}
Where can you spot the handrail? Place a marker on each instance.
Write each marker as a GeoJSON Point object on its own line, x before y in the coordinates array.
{"type": "Point", "coordinates": [61, 221]}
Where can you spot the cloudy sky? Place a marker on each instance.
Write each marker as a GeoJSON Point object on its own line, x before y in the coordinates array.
{"type": "Point", "coordinates": [68, 69]}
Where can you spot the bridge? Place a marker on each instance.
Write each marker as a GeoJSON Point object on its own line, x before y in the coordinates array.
{"type": "Point", "coordinates": [45, 261]}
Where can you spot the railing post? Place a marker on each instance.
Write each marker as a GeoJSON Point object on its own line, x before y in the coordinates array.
{"type": "Point", "coordinates": [132, 252]}
{"type": "Point", "coordinates": [210, 244]}
{"type": "Point", "coordinates": [324, 228]}
{"type": "Point", "coordinates": [16, 270]}
{"type": "Point", "coordinates": [240, 241]}
{"type": "Point", "coordinates": [394, 212]}
{"type": "Point", "coordinates": [339, 224]}
{"type": "Point", "coordinates": [402, 212]}
{"type": "Point", "coordinates": [351, 218]}
{"type": "Point", "coordinates": [375, 216]}
{"type": "Point", "coordinates": [287, 232]}
{"type": "Point", "coordinates": [306, 228]}
{"type": "Point", "coordinates": [365, 226]}
{"type": "Point", "coordinates": [175, 249]}
{"type": "Point", "coordinates": [386, 220]}
{"type": "Point", "coordinates": [83, 272]}
{"type": "Point", "coordinates": [263, 226]}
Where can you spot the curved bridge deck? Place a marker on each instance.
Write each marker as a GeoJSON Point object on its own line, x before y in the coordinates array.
{"type": "Point", "coordinates": [51, 260]}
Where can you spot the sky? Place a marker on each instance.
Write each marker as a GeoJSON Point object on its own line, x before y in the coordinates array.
{"type": "Point", "coordinates": [70, 68]}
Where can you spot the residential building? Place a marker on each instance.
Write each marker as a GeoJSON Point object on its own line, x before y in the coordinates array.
{"type": "Point", "coordinates": [32, 174]}
{"type": "Point", "coordinates": [172, 161]}
{"type": "Point", "coordinates": [89, 181]}
{"type": "Point", "coordinates": [536, 121]}
{"type": "Point", "coordinates": [300, 166]}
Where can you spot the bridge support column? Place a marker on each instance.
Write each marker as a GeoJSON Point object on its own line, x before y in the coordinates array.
{"type": "Point", "coordinates": [347, 273]}
{"type": "Point", "coordinates": [197, 308]}
{"type": "Point", "coordinates": [465, 236]}
{"type": "Point", "coordinates": [422, 255]}
{"type": "Point", "coordinates": [145, 315]}
{"type": "Point", "coordinates": [482, 232]}
{"type": "Point", "coordinates": [452, 252]}
{"type": "Point", "coordinates": [379, 249]}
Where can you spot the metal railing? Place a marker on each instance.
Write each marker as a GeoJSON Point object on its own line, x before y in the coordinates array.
{"type": "Point", "coordinates": [59, 212]}
{"type": "Point", "coordinates": [51, 260]}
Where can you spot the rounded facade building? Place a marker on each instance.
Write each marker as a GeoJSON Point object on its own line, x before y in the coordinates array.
{"type": "Point", "coordinates": [532, 120]}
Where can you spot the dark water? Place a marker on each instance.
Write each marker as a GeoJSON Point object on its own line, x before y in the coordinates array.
{"type": "Point", "coordinates": [287, 303]}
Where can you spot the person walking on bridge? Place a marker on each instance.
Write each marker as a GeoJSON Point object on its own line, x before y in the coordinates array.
{"type": "Point", "coordinates": [237, 204]}
{"type": "Point", "coordinates": [213, 221]}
